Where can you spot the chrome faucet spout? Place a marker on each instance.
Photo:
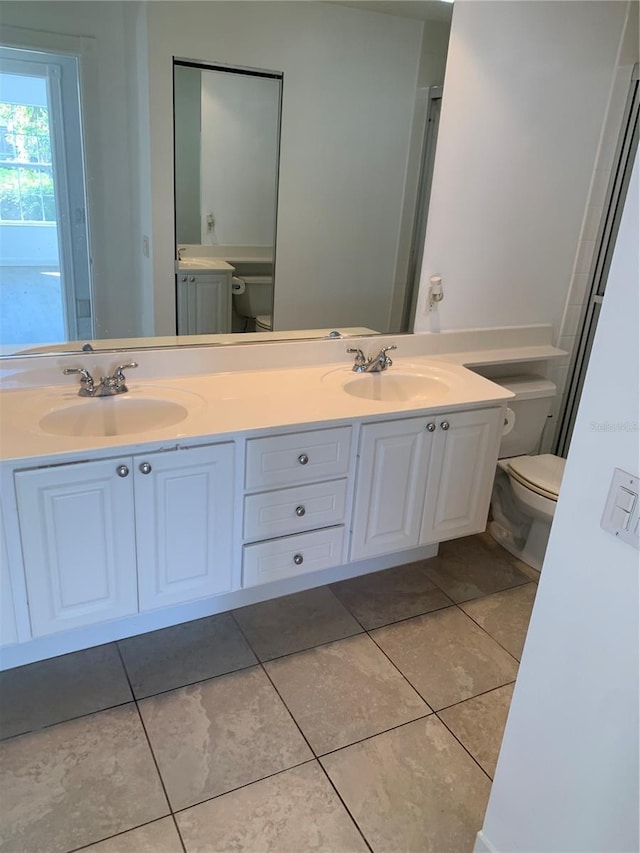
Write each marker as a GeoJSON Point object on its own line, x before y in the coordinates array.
{"type": "Point", "coordinates": [108, 386]}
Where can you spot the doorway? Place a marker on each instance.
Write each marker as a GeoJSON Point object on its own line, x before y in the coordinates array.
{"type": "Point", "coordinates": [44, 244]}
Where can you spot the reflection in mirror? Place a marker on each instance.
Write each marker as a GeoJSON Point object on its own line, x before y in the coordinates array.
{"type": "Point", "coordinates": [351, 143]}
{"type": "Point", "coordinates": [226, 143]}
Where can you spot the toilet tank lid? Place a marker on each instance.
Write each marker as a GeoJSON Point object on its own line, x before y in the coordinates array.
{"type": "Point", "coordinates": [527, 387]}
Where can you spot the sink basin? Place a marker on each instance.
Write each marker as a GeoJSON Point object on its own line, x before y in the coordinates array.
{"type": "Point", "coordinates": [105, 416]}
{"type": "Point", "coordinates": [391, 387]}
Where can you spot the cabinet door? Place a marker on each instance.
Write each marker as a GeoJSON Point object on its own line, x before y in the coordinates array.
{"type": "Point", "coordinates": [463, 464]}
{"type": "Point", "coordinates": [78, 542]}
{"type": "Point", "coordinates": [8, 627]}
{"type": "Point", "coordinates": [184, 520]}
{"type": "Point", "coordinates": [204, 304]}
{"type": "Point", "coordinates": [392, 470]}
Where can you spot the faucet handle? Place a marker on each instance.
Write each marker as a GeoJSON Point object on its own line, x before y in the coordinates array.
{"type": "Point", "coordinates": [360, 359]}
{"type": "Point", "coordinates": [386, 349]}
{"type": "Point", "coordinates": [86, 380]}
{"type": "Point", "coordinates": [118, 372]}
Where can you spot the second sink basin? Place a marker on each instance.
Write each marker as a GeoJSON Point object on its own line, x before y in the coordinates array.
{"type": "Point", "coordinates": [394, 387]}
{"type": "Point", "coordinates": [106, 416]}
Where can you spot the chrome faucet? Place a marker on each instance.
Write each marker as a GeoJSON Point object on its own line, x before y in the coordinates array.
{"type": "Point", "coordinates": [108, 386]}
{"type": "Point", "coordinates": [375, 364]}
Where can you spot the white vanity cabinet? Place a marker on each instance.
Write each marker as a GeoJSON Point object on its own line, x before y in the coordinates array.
{"type": "Point", "coordinates": [422, 480]}
{"type": "Point", "coordinates": [204, 303]}
{"type": "Point", "coordinates": [295, 508]}
{"type": "Point", "coordinates": [107, 538]}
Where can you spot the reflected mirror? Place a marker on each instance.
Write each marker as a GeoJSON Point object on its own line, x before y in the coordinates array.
{"type": "Point", "coordinates": [226, 147]}
{"type": "Point", "coordinates": [347, 136]}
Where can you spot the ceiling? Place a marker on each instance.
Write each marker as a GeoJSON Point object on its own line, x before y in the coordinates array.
{"type": "Point", "coordinates": [421, 10]}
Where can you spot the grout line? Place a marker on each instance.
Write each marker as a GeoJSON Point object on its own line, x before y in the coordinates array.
{"type": "Point", "coordinates": [345, 806]}
{"type": "Point", "coordinates": [194, 683]}
{"type": "Point", "coordinates": [469, 753]}
{"type": "Point", "coordinates": [66, 720]}
{"type": "Point", "coordinates": [146, 734]}
{"type": "Point", "coordinates": [475, 696]}
{"type": "Point", "coordinates": [375, 734]}
{"type": "Point", "coordinates": [118, 834]}
{"type": "Point", "coordinates": [482, 628]}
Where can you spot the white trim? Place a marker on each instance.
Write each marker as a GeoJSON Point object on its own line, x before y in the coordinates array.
{"type": "Point", "coordinates": [483, 845]}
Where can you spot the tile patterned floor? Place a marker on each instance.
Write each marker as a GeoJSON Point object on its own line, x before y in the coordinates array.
{"type": "Point", "coordinates": [363, 716]}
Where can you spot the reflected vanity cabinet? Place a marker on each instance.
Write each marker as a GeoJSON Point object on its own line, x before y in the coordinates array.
{"type": "Point", "coordinates": [204, 303]}
{"type": "Point", "coordinates": [113, 537]}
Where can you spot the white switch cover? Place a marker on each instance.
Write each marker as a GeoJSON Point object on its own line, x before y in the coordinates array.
{"type": "Point", "coordinates": [620, 517]}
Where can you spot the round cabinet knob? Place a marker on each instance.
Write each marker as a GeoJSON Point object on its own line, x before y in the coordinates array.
{"type": "Point", "coordinates": [300, 511]}
{"type": "Point", "coordinates": [298, 559]}
{"type": "Point", "coordinates": [431, 427]}
{"type": "Point", "coordinates": [144, 468]}
{"type": "Point", "coordinates": [192, 278]}
{"type": "Point", "coordinates": [303, 459]}
{"type": "Point", "coordinates": [444, 425]}
{"type": "Point", "coordinates": [184, 278]}
{"type": "Point", "coordinates": [122, 471]}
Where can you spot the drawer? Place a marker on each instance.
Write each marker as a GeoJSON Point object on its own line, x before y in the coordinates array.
{"type": "Point", "coordinates": [292, 555]}
{"type": "Point", "coordinates": [293, 510]}
{"type": "Point", "coordinates": [300, 457]}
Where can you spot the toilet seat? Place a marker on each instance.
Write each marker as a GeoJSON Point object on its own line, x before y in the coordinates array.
{"type": "Point", "coordinates": [264, 323]}
{"type": "Point", "coordinates": [541, 474]}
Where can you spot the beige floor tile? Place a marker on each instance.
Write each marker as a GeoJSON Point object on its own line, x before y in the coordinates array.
{"type": "Point", "coordinates": [295, 622]}
{"type": "Point", "coordinates": [391, 595]}
{"type": "Point", "coordinates": [489, 542]}
{"type": "Point", "coordinates": [77, 782]}
{"type": "Point", "coordinates": [479, 724]}
{"type": "Point", "coordinates": [71, 686]}
{"type": "Point", "coordinates": [505, 616]}
{"type": "Point", "coordinates": [161, 836]}
{"type": "Point", "coordinates": [215, 736]}
{"type": "Point", "coordinates": [446, 656]}
{"type": "Point", "coordinates": [293, 812]}
{"type": "Point", "coordinates": [412, 789]}
{"type": "Point", "coordinates": [184, 654]}
{"type": "Point", "coordinates": [468, 568]}
{"type": "Point", "coordinates": [343, 692]}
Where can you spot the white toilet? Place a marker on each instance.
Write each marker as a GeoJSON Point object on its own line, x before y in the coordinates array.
{"type": "Point", "coordinates": [526, 488]}
{"type": "Point", "coordinates": [253, 301]}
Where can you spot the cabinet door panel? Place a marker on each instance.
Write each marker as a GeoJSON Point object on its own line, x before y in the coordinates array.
{"type": "Point", "coordinates": [8, 627]}
{"type": "Point", "coordinates": [204, 304]}
{"type": "Point", "coordinates": [78, 541]}
{"type": "Point", "coordinates": [184, 517]}
{"type": "Point", "coordinates": [461, 474]}
{"type": "Point", "coordinates": [392, 468]}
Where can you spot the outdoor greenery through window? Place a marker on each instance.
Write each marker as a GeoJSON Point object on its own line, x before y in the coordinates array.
{"type": "Point", "coordinates": [26, 174]}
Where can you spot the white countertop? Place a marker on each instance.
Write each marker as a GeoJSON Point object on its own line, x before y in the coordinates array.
{"type": "Point", "coordinates": [203, 265]}
{"type": "Point", "coordinates": [226, 404]}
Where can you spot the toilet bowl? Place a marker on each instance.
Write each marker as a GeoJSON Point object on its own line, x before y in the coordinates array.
{"type": "Point", "coordinates": [525, 495]}
{"type": "Point", "coordinates": [526, 487]}
{"type": "Point", "coordinates": [253, 300]}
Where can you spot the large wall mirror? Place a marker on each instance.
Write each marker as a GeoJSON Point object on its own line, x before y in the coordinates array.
{"type": "Point", "coordinates": [324, 217]}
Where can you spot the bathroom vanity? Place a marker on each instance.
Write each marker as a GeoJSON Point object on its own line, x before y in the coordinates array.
{"type": "Point", "coordinates": [194, 494]}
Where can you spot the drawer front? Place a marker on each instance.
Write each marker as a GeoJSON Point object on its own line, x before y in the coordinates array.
{"type": "Point", "coordinates": [293, 555]}
{"type": "Point", "coordinates": [293, 510]}
{"type": "Point", "coordinates": [301, 457]}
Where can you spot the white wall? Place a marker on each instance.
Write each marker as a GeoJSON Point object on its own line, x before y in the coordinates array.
{"type": "Point", "coordinates": [525, 96]}
{"type": "Point", "coordinates": [567, 778]}
{"type": "Point", "coordinates": [104, 70]}
{"type": "Point", "coordinates": [348, 99]}
{"type": "Point", "coordinates": [239, 158]}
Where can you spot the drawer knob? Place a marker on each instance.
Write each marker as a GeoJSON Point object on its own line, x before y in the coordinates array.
{"type": "Point", "coordinates": [444, 425]}
{"type": "Point", "coordinates": [298, 559]}
{"type": "Point", "coordinates": [122, 471]}
{"type": "Point", "coordinates": [145, 468]}
{"type": "Point", "coordinates": [431, 427]}
{"type": "Point", "coordinates": [303, 459]}
{"type": "Point", "coordinates": [300, 511]}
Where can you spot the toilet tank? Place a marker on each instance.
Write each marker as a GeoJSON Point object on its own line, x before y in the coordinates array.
{"type": "Point", "coordinates": [526, 413]}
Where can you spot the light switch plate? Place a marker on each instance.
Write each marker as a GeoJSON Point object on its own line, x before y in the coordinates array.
{"type": "Point", "coordinates": [620, 517]}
